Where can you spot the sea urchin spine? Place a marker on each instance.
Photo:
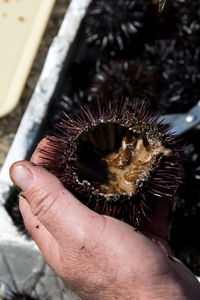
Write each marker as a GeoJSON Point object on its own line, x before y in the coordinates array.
{"type": "Point", "coordinates": [133, 79]}
{"type": "Point", "coordinates": [112, 23]}
{"type": "Point", "coordinates": [116, 162]}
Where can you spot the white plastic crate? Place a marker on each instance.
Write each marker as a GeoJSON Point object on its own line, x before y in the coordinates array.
{"type": "Point", "coordinates": [22, 265]}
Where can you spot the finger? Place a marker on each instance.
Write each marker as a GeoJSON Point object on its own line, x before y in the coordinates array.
{"type": "Point", "coordinates": [39, 156]}
{"type": "Point", "coordinates": [44, 240]}
{"type": "Point", "coordinates": [56, 208]}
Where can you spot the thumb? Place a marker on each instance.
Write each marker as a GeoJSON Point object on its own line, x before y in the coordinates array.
{"type": "Point", "coordinates": [55, 207]}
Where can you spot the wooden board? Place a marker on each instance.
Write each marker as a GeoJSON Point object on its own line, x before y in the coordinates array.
{"type": "Point", "coordinates": [22, 24]}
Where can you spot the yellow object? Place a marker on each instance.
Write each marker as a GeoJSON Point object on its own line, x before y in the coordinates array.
{"type": "Point", "coordinates": [22, 24]}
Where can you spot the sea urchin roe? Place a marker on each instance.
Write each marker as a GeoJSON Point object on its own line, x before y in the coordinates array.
{"type": "Point", "coordinates": [115, 159]}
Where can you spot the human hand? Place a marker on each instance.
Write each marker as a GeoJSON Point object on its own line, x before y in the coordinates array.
{"type": "Point", "coordinates": [98, 256]}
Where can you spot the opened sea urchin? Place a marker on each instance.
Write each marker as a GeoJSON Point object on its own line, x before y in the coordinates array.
{"type": "Point", "coordinates": [116, 162]}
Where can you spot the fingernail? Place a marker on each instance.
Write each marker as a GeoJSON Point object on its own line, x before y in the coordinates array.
{"type": "Point", "coordinates": [22, 177]}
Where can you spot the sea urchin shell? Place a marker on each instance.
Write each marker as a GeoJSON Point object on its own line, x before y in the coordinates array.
{"type": "Point", "coordinates": [131, 79]}
{"type": "Point", "coordinates": [21, 297]}
{"type": "Point", "coordinates": [113, 22]}
{"type": "Point", "coordinates": [116, 162]}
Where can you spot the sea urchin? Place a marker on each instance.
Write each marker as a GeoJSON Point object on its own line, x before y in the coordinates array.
{"type": "Point", "coordinates": [122, 78]}
{"type": "Point", "coordinates": [116, 162]}
{"type": "Point", "coordinates": [19, 297]}
{"type": "Point", "coordinates": [112, 23]}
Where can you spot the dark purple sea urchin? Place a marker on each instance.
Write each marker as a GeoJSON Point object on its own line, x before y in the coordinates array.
{"type": "Point", "coordinates": [115, 162]}
{"type": "Point", "coordinates": [180, 83]}
{"type": "Point", "coordinates": [113, 22]}
{"type": "Point", "coordinates": [178, 71]}
{"type": "Point", "coordinates": [184, 239]}
{"type": "Point", "coordinates": [28, 293]}
{"type": "Point", "coordinates": [122, 78]}
{"type": "Point", "coordinates": [19, 297]}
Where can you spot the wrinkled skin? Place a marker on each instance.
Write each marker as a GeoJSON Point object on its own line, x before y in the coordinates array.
{"type": "Point", "coordinates": [98, 256]}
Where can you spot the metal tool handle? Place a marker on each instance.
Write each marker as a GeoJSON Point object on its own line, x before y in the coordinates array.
{"type": "Point", "coordinates": [182, 123]}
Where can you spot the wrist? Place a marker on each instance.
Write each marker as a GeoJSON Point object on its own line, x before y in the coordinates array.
{"type": "Point", "coordinates": [179, 284]}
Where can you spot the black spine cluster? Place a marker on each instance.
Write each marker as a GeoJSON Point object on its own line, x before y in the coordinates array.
{"type": "Point", "coordinates": [178, 73]}
{"type": "Point", "coordinates": [180, 82]}
{"type": "Point", "coordinates": [185, 243]}
{"type": "Point", "coordinates": [124, 79]}
{"type": "Point", "coordinates": [113, 24]}
{"type": "Point", "coordinates": [16, 296]}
